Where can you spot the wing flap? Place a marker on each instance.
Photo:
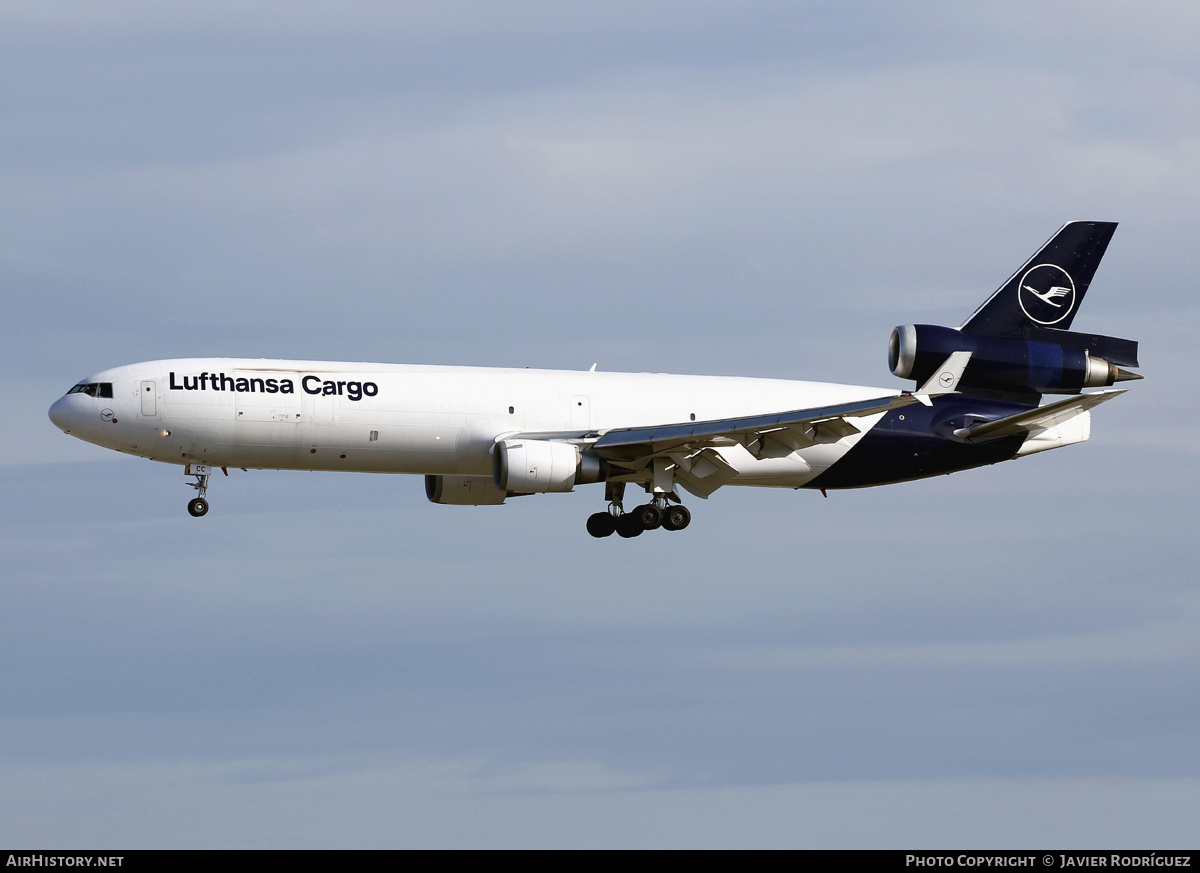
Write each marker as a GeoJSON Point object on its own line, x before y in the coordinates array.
{"type": "Point", "coordinates": [703, 472]}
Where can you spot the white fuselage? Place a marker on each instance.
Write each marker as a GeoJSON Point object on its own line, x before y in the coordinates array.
{"type": "Point", "coordinates": [395, 418]}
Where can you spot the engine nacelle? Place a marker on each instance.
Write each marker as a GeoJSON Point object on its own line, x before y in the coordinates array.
{"type": "Point", "coordinates": [539, 466]}
{"type": "Point", "coordinates": [463, 491]}
{"type": "Point", "coordinates": [915, 351]}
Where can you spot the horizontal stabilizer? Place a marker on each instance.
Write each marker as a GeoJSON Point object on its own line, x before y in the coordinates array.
{"type": "Point", "coordinates": [1046, 416]}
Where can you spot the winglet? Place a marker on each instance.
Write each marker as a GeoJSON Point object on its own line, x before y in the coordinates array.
{"type": "Point", "coordinates": [945, 378]}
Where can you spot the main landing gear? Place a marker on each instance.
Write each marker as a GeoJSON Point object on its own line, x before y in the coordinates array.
{"type": "Point", "coordinates": [659, 513]}
{"type": "Point", "coordinates": [198, 506]}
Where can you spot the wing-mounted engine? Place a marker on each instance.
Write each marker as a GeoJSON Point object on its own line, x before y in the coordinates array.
{"type": "Point", "coordinates": [537, 466]}
{"type": "Point", "coordinates": [1048, 362]}
{"type": "Point", "coordinates": [463, 491]}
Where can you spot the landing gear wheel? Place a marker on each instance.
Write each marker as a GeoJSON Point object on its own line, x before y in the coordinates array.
{"type": "Point", "coordinates": [629, 526]}
{"type": "Point", "coordinates": [676, 518]}
{"type": "Point", "coordinates": [601, 524]}
{"type": "Point", "coordinates": [649, 516]}
{"type": "Point", "coordinates": [198, 506]}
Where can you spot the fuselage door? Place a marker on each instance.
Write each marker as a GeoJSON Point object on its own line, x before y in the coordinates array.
{"type": "Point", "coordinates": [148, 399]}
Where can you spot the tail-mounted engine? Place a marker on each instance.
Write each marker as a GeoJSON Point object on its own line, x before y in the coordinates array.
{"type": "Point", "coordinates": [1049, 362]}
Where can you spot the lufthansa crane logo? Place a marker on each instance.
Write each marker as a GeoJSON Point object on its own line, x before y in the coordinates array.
{"type": "Point", "coordinates": [1046, 293]}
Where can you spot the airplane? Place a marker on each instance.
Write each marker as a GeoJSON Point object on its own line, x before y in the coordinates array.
{"type": "Point", "coordinates": [483, 435]}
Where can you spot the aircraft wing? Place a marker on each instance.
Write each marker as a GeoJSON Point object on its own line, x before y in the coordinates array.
{"type": "Point", "coordinates": [794, 430]}
{"type": "Point", "coordinates": [684, 452]}
{"type": "Point", "coordinates": [772, 435]}
{"type": "Point", "coordinates": [1043, 416]}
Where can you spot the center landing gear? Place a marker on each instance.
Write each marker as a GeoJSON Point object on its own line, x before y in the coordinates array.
{"type": "Point", "coordinates": [649, 516]}
{"type": "Point", "coordinates": [198, 506]}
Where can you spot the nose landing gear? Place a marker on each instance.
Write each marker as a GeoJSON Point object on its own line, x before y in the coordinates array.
{"type": "Point", "coordinates": [198, 506]}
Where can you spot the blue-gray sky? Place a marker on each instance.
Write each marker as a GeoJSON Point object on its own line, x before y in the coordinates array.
{"type": "Point", "coordinates": [1004, 657]}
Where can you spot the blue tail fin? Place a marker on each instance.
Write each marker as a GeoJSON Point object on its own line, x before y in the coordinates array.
{"type": "Point", "coordinates": [1048, 290]}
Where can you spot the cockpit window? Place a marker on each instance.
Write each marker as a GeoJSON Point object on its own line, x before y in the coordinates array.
{"type": "Point", "coordinates": [93, 389]}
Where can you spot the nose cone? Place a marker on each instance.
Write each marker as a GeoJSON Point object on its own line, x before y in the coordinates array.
{"type": "Point", "coordinates": [60, 414]}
